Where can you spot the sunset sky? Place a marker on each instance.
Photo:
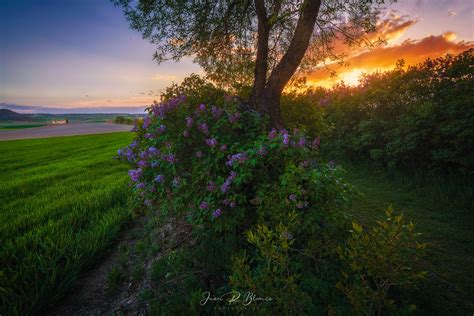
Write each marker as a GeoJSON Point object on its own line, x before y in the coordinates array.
{"type": "Point", "coordinates": [81, 53]}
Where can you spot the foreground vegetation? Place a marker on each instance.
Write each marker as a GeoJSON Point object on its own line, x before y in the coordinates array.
{"type": "Point", "coordinates": [263, 214]}
{"type": "Point", "coordinates": [63, 201]}
{"type": "Point", "coordinates": [441, 207]}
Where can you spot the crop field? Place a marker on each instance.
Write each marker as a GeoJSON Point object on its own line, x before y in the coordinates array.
{"type": "Point", "coordinates": [63, 201]}
{"type": "Point", "coordinates": [7, 126]}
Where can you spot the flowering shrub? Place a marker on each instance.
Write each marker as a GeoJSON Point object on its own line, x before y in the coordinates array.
{"type": "Point", "coordinates": [202, 162]}
{"type": "Point", "coordinates": [250, 195]}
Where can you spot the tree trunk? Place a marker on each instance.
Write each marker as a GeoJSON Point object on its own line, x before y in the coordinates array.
{"type": "Point", "coordinates": [270, 105]}
{"type": "Point", "coordinates": [261, 61]}
{"type": "Point", "coordinates": [270, 101]}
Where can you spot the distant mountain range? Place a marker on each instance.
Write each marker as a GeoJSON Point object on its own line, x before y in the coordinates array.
{"type": "Point", "coordinates": [29, 109]}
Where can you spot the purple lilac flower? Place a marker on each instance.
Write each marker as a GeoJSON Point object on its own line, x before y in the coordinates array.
{"type": "Point", "coordinates": [316, 142]}
{"type": "Point", "coordinates": [120, 152]}
{"type": "Point", "coordinates": [153, 151]}
{"type": "Point", "coordinates": [170, 158]}
{"type": "Point", "coordinates": [203, 205]}
{"type": "Point", "coordinates": [225, 187]}
{"type": "Point", "coordinates": [160, 178]}
{"type": "Point", "coordinates": [217, 213]}
{"type": "Point", "coordinates": [133, 144]}
{"type": "Point", "coordinates": [160, 110]}
{"type": "Point", "coordinates": [286, 139]}
{"type": "Point", "coordinates": [292, 197]}
{"type": "Point", "coordinates": [135, 174]}
{"type": "Point", "coordinates": [223, 147]}
{"type": "Point", "coordinates": [168, 145]}
{"type": "Point", "coordinates": [272, 133]}
{"type": "Point", "coordinates": [140, 185]}
{"type": "Point", "coordinates": [211, 142]}
{"type": "Point", "coordinates": [324, 101]}
{"type": "Point", "coordinates": [186, 133]}
{"type": "Point", "coordinates": [233, 175]}
{"type": "Point", "coordinates": [199, 154]}
{"type": "Point", "coordinates": [304, 164]}
{"type": "Point", "coordinates": [154, 164]}
{"type": "Point", "coordinates": [301, 205]}
{"type": "Point", "coordinates": [146, 122]}
{"type": "Point", "coordinates": [130, 155]}
{"type": "Point", "coordinates": [233, 204]}
{"type": "Point", "coordinates": [216, 112]}
{"type": "Point", "coordinates": [142, 163]}
{"type": "Point", "coordinates": [302, 142]}
{"type": "Point", "coordinates": [202, 108]}
{"type": "Point", "coordinates": [161, 129]}
{"type": "Point", "coordinates": [148, 135]}
{"type": "Point", "coordinates": [234, 117]}
{"type": "Point", "coordinates": [240, 157]}
{"type": "Point", "coordinates": [189, 121]}
{"type": "Point", "coordinates": [211, 186]}
{"type": "Point", "coordinates": [226, 202]}
{"type": "Point", "coordinates": [203, 128]}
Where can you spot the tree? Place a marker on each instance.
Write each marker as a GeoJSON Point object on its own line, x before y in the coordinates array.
{"type": "Point", "coordinates": [258, 42]}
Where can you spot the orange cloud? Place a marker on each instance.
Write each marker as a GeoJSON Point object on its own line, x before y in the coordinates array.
{"type": "Point", "coordinates": [389, 29]}
{"type": "Point", "coordinates": [392, 27]}
{"type": "Point", "coordinates": [384, 58]}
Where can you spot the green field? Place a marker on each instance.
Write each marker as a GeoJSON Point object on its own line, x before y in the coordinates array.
{"type": "Point", "coordinates": [18, 125]}
{"type": "Point", "coordinates": [442, 210]}
{"type": "Point", "coordinates": [63, 201]}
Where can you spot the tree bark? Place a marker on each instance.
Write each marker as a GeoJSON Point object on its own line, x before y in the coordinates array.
{"type": "Point", "coordinates": [261, 61]}
{"type": "Point", "coordinates": [270, 98]}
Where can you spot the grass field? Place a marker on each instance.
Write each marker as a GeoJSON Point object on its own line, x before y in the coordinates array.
{"type": "Point", "coordinates": [63, 201]}
{"type": "Point", "coordinates": [442, 210]}
{"type": "Point", "coordinates": [18, 125]}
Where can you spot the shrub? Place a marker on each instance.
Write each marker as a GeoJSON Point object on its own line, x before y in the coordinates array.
{"type": "Point", "coordinates": [420, 117]}
{"type": "Point", "coordinates": [378, 260]}
{"type": "Point", "coordinates": [265, 214]}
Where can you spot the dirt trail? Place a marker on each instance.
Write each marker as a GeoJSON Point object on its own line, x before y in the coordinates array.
{"type": "Point", "coordinates": [91, 293]}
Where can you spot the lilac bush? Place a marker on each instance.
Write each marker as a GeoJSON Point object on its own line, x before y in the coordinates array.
{"type": "Point", "coordinates": [210, 158]}
{"type": "Point", "coordinates": [251, 194]}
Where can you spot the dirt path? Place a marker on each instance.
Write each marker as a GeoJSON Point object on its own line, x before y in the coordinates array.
{"type": "Point", "coordinates": [63, 130]}
{"type": "Point", "coordinates": [92, 294]}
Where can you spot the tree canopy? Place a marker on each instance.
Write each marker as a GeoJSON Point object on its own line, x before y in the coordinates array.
{"type": "Point", "coordinates": [254, 43]}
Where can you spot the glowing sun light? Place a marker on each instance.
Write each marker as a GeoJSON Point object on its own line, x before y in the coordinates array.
{"type": "Point", "coordinates": [352, 77]}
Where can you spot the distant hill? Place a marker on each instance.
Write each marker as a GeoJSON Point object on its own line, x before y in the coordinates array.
{"type": "Point", "coordinates": [9, 115]}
